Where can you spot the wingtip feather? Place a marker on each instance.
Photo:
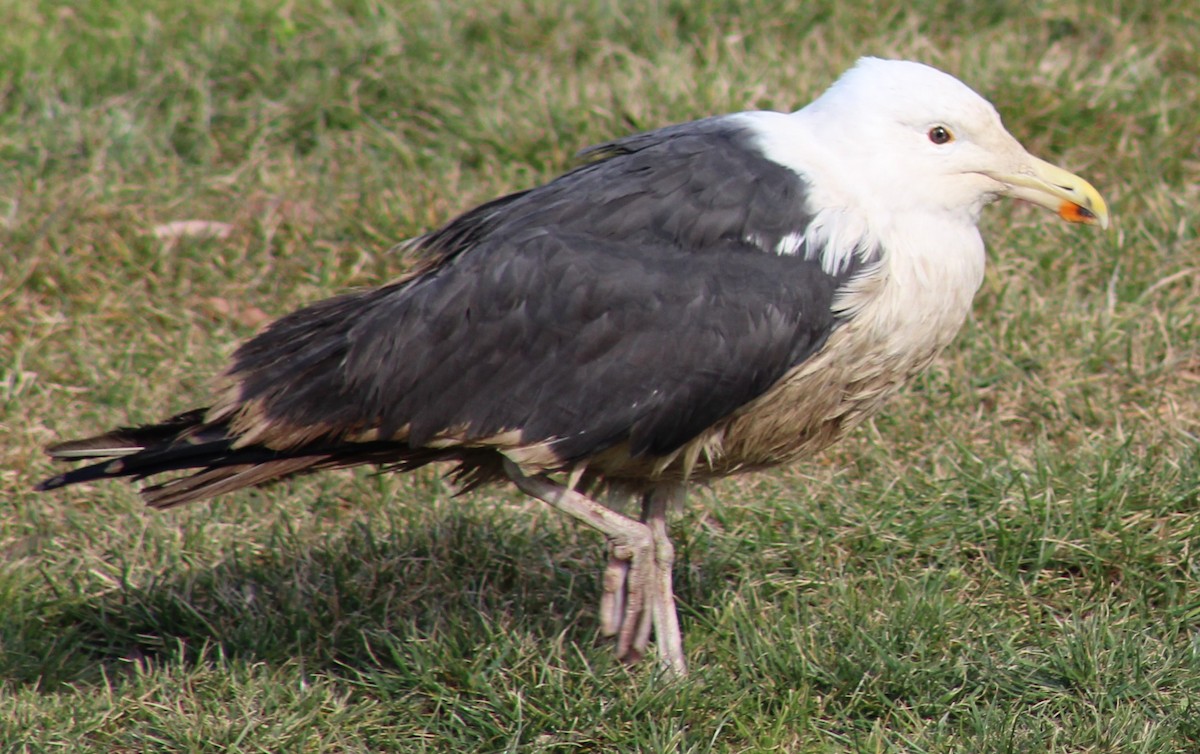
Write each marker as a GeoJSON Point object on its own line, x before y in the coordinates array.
{"type": "Point", "coordinates": [70, 451]}
{"type": "Point", "coordinates": [52, 483]}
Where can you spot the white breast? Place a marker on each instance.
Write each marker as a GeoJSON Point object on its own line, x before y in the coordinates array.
{"type": "Point", "coordinates": [900, 316]}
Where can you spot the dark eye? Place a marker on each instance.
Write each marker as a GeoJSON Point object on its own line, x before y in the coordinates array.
{"type": "Point", "coordinates": [940, 135]}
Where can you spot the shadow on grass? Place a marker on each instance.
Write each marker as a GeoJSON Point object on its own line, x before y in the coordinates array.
{"type": "Point", "coordinates": [458, 583]}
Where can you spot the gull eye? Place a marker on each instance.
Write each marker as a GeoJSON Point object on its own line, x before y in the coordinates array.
{"type": "Point", "coordinates": [940, 135]}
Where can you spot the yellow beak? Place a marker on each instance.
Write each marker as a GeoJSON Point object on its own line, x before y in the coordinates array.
{"type": "Point", "coordinates": [1074, 199]}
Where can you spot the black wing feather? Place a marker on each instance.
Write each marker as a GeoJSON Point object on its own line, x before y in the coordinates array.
{"type": "Point", "coordinates": [631, 299]}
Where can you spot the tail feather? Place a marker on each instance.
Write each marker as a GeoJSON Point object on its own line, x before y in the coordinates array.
{"type": "Point", "coordinates": [128, 440]}
{"type": "Point", "coordinates": [218, 480]}
{"type": "Point", "coordinates": [186, 442]}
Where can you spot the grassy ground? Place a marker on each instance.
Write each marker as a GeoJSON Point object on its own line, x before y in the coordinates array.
{"type": "Point", "coordinates": [1002, 563]}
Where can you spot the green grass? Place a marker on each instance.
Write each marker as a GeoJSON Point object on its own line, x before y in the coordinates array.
{"type": "Point", "coordinates": [1003, 562]}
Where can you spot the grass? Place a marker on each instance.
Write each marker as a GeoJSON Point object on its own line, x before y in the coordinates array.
{"type": "Point", "coordinates": [1003, 562]}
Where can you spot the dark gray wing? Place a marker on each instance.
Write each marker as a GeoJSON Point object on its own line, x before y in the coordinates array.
{"type": "Point", "coordinates": [692, 185]}
{"type": "Point", "coordinates": [631, 299]}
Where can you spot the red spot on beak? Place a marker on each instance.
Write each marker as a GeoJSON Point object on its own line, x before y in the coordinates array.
{"type": "Point", "coordinates": [1073, 213]}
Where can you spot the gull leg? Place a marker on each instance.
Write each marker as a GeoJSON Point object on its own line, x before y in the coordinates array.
{"type": "Point", "coordinates": [667, 635]}
{"type": "Point", "coordinates": [637, 595]}
{"type": "Point", "coordinates": [631, 547]}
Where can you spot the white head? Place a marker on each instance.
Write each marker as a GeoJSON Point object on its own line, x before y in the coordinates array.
{"type": "Point", "coordinates": [902, 136]}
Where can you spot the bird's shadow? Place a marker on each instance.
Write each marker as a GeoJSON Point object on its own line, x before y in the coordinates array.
{"type": "Point", "coordinates": [343, 604]}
